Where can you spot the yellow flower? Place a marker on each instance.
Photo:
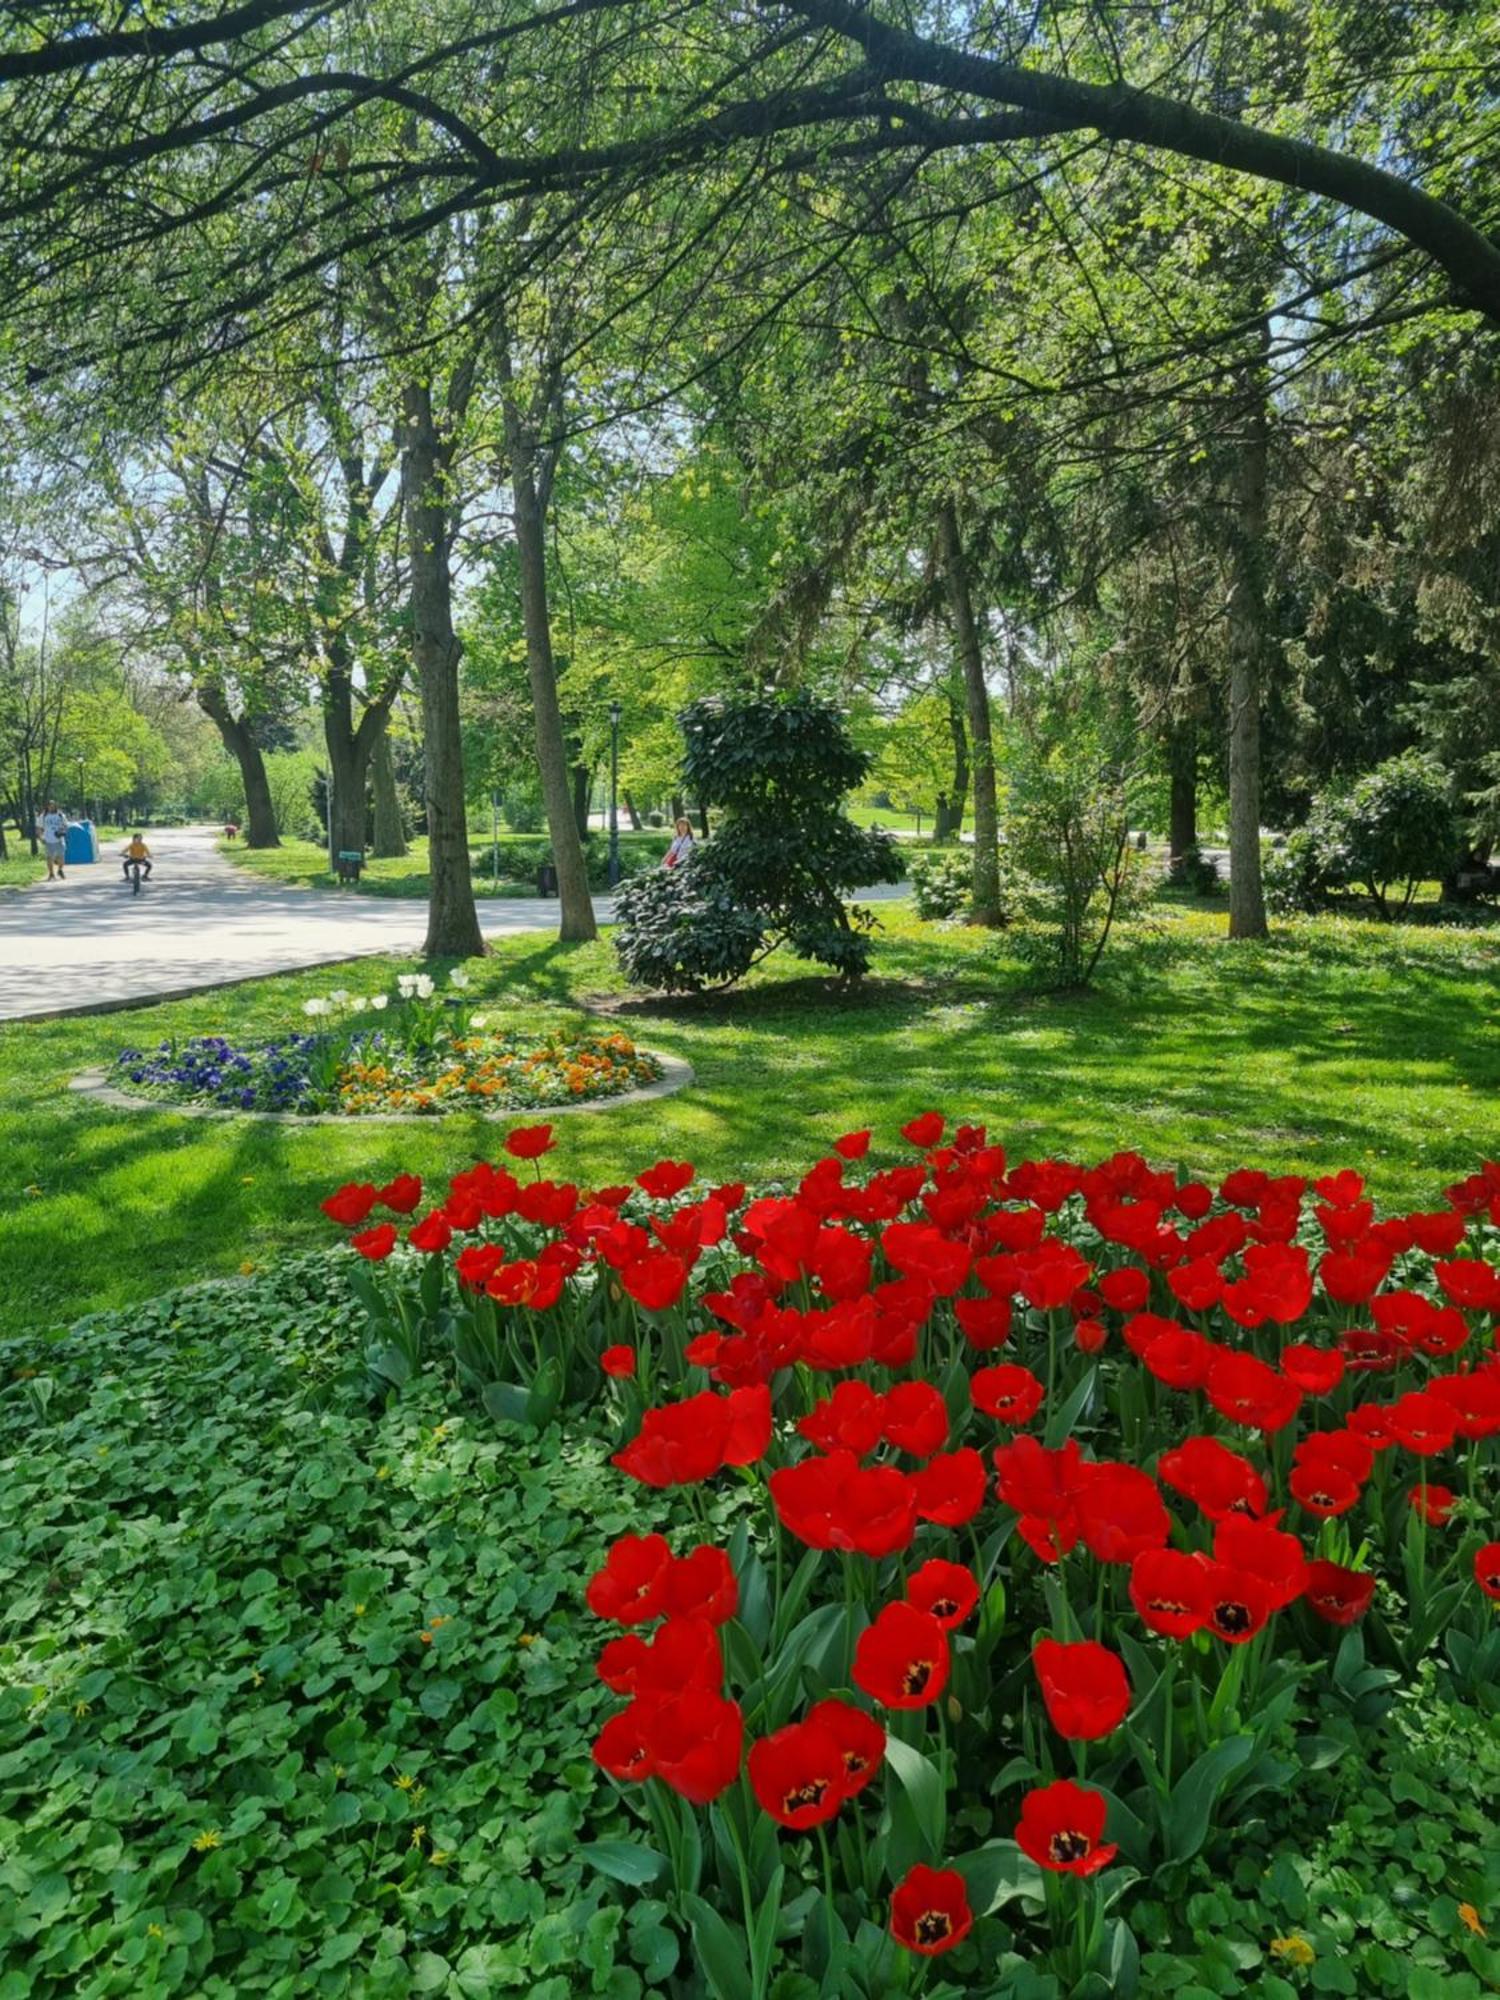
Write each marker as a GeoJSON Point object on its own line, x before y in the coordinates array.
{"type": "Point", "coordinates": [1295, 1950]}
{"type": "Point", "coordinates": [382, 1472]}
{"type": "Point", "coordinates": [206, 1841]}
{"type": "Point", "coordinates": [247, 1269]}
{"type": "Point", "coordinates": [155, 1930]}
{"type": "Point", "coordinates": [359, 1611]}
{"type": "Point", "coordinates": [527, 1639]}
{"type": "Point", "coordinates": [256, 1678]}
{"type": "Point", "coordinates": [81, 1708]}
{"type": "Point", "coordinates": [1470, 1917]}
{"type": "Point", "coordinates": [440, 1856]}
{"type": "Point", "coordinates": [406, 1782]}
{"type": "Point", "coordinates": [32, 1188]}
{"type": "Point", "coordinates": [418, 1835]}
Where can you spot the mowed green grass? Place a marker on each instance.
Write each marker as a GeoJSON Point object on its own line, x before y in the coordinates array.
{"type": "Point", "coordinates": [305, 863]}
{"type": "Point", "coordinates": [1338, 1042]}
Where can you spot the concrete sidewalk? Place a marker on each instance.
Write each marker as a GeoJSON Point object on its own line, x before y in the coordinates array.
{"type": "Point", "coordinates": [86, 943]}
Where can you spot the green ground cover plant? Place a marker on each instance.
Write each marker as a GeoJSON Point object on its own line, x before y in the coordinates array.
{"type": "Point", "coordinates": [1338, 1042]}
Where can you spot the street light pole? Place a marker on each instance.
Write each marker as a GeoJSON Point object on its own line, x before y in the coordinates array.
{"type": "Point", "coordinates": [83, 790]}
{"type": "Point", "coordinates": [614, 787]}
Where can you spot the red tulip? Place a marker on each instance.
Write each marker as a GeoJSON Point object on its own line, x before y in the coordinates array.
{"type": "Point", "coordinates": [930, 1910]}
{"type": "Point", "coordinates": [350, 1204]}
{"type": "Point", "coordinates": [902, 1659]}
{"type": "Point", "coordinates": [666, 1178]}
{"type": "Point", "coordinates": [860, 1738]}
{"type": "Point", "coordinates": [1340, 1596]}
{"type": "Point", "coordinates": [1009, 1393]}
{"type": "Point", "coordinates": [631, 1586]}
{"type": "Point", "coordinates": [1171, 1591]}
{"type": "Point", "coordinates": [376, 1243]}
{"type": "Point", "coordinates": [432, 1234]}
{"type": "Point", "coordinates": [618, 1362]}
{"type": "Point", "coordinates": [1084, 1685]}
{"type": "Point", "coordinates": [945, 1590]}
{"type": "Point", "coordinates": [402, 1194]}
{"type": "Point", "coordinates": [529, 1142]}
{"type": "Point", "coordinates": [797, 1774]}
{"type": "Point", "coordinates": [1061, 1827]}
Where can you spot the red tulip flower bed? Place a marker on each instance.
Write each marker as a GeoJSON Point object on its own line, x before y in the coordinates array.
{"type": "Point", "coordinates": [1030, 1509]}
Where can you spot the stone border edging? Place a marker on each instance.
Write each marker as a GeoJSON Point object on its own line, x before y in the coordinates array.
{"type": "Point", "coordinates": [94, 1083]}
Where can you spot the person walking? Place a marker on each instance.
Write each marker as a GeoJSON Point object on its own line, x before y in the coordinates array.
{"type": "Point", "coordinates": [681, 847]}
{"type": "Point", "coordinates": [53, 828]}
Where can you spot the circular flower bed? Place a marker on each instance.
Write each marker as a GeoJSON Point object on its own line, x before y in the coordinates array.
{"type": "Point", "coordinates": [414, 1052]}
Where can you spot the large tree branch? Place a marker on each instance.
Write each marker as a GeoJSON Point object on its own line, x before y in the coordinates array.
{"type": "Point", "coordinates": [1118, 111]}
{"type": "Point", "coordinates": [81, 52]}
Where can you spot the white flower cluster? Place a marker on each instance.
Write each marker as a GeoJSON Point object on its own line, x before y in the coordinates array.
{"type": "Point", "coordinates": [409, 986]}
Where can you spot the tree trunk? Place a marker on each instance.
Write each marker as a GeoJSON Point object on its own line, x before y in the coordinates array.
{"type": "Point", "coordinates": [958, 791]}
{"type": "Point", "coordinates": [977, 704]}
{"type": "Point", "coordinates": [390, 837]}
{"type": "Point", "coordinates": [577, 908]}
{"type": "Point", "coordinates": [703, 819]}
{"type": "Point", "coordinates": [238, 739]}
{"type": "Point", "coordinates": [630, 812]}
{"type": "Point", "coordinates": [452, 920]}
{"type": "Point", "coordinates": [1182, 832]}
{"type": "Point", "coordinates": [1247, 622]}
{"type": "Point", "coordinates": [348, 763]}
{"type": "Point", "coordinates": [581, 789]}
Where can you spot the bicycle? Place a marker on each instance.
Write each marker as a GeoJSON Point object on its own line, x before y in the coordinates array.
{"type": "Point", "coordinates": [133, 870]}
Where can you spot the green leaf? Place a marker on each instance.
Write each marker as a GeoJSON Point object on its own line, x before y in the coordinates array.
{"type": "Point", "coordinates": [623, 1860]}
{"type": "Point", "coordinates": [999, 1873]}
{"type": "Point", "coordinates": [1197, 1792]}
{"type": "Point", "coordinates": [922, 1782]}
{"type": "Point", "coordinates": [723, 1953]}
{"type": "Point", "coordinates": [1060, 1421]}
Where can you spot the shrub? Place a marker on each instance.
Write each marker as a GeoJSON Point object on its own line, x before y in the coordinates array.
{"type": "Point", "coordinates": [1398, 827]}
{"type": "Point", "coordinates": [1394, 826]}
{"type": "Point", "coordinates": [523, 811]}
{"type": "Point", "coordinates": [783, 854]}
{"type": "Point", "coordinates": [1296, 874]}
{"type": "Point", "coordinates": [1194, 871]}
{"type": "Point", "coordinates": [679, 930]}
{"type": "Point", "coordinates": [943, 884]}
{"type": "Point", "coordinates": [1069, 813]}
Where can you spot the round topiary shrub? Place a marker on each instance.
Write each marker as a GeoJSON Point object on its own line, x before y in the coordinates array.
{"type": "Point", "coordinates": [783, 856]}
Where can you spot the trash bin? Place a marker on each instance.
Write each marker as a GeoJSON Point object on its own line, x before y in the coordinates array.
{"type": "Point", "coordinates": [348, 862]}
{"type": "Point", "coordinates": [546, 879]}
{"type": "Point", "coordinates": [81, 843]}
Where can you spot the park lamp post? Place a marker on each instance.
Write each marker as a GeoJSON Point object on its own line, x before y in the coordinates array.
{"type": "Point", "coordinates": [83, 790]}
{"type": "Point", "coordinates": [614, 788]}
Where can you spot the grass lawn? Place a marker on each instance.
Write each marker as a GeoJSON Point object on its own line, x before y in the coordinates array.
{"type": "Point", "coordinates": [305, 862]}
{"type": "Point", "coordinates": [1337, 1042]}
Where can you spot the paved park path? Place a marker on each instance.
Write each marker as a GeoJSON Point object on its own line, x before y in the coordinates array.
{"type": "Point", "coordinates": [86, 942]}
